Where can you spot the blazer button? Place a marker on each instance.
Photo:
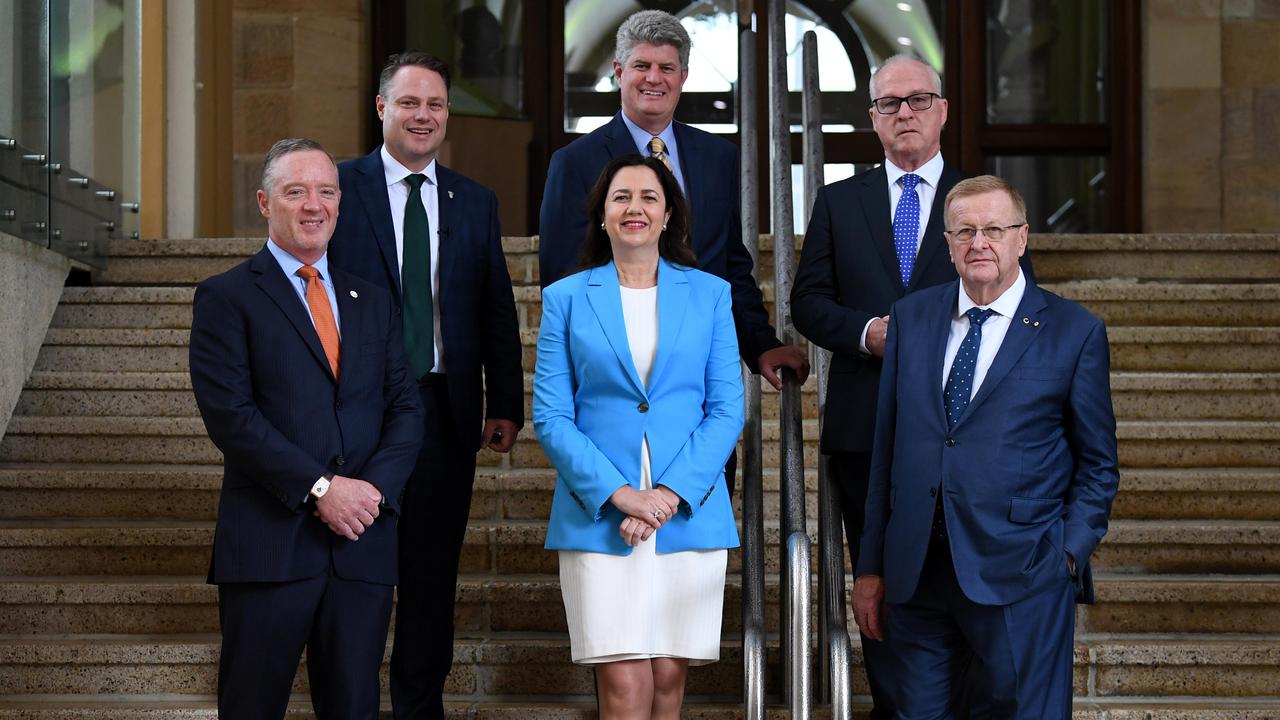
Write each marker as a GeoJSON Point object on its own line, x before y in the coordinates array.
{"type": "Point", "coordinates": [951, 442]}
{"type": "Point", "coordinates": [337, 405]}
{"type": "Point", "coordinates": [643, 407]}
{"type": "Point", "coordinates": [933, 492]}
{"type": "Point", "coordinates": [339, 461]}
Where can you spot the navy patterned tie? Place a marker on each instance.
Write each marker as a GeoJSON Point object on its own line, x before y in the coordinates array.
{"type": "Point", "coordinates": [906, 226]}
{"type": "Point", "coordinates": [960, 380]}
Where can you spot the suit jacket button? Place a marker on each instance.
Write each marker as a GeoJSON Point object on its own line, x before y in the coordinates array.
{"type": "Point", "coordinates": [339, 461]}
{"type": "Point", "coordinates": [933, 492]}
{"type": "Point", "coordinates": [643, 407]}
{"type": "Point", "coordinates": [338, 405]}
{"type": "Point", "coordinates": [951, 442]}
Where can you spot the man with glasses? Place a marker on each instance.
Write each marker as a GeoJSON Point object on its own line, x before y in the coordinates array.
{"type": "Point", "coordinates": [873, 239]}
{"type": "Point", "coordinates": [993, 470]}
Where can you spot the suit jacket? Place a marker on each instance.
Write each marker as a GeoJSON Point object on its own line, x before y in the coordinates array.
{"type": "Point", "coordinates": [848, 274]}
{"type": "Point", "coordinates": [591, 410]}
{"type": "Point", "coordinates": [1028, 472]}
{"type": "Point", "coordinates": [710, 168]}
{"type": "Point", "coordinates": [478, 324]}
{"type": "Point", "coordinates": [272, 406]}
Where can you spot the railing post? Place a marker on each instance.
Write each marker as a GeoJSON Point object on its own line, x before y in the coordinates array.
{"type": "Point", "coordinates": [753, 625]}
{"type": "Point", "coordinates": [797, 652]}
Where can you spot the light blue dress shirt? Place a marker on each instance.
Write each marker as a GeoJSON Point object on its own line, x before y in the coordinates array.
{"type": "Point", "coordinates": [668, 137]}
{"type": "Point", "coordinates": [290, 265]}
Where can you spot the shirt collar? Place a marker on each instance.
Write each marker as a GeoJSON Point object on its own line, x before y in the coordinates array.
{"type": "Point", "coordinates": [642, 136]}
{"type": "Point", "coordinates": [396, 173]}
{"type": "Point", "coordinates": [1005, 305]}
{"type": "Point", "coordinates": [930, 172]}
{"type": "Point", "coordinates": [290, 264]}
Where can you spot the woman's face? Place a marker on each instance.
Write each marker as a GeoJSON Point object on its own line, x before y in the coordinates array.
{"type": "Point", "coordinates": [635, 209]}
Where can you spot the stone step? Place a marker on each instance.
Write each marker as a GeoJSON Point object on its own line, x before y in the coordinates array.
{"type": "Point", "coordinates": [124, 307]}
{"type": "Point", "coordinates": [532, 603]}
{"type": "Point", "coordinates": [1127, 302]}
{"type": "Point", "coordinates": [114, 546]}
{"type": "Point", "coordinates": [536, 666]}
{"type": "Point", "coordinates": [173, 262]}
{"type": "Point", "coordinates": [1198, 258]}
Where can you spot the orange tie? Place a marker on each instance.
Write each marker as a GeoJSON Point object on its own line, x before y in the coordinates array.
{"type": "Point", "coordinates": [322, 315]}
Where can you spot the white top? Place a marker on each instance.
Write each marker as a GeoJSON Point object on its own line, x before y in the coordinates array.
{"type": "Point", "coordinates": [927, 189]}
{"type": "Point", "coordinates": [993, 330]}
{"type": "Point", "coordinates": [640, 314]}
{"type": "Point", "coordinates": [397, 195]}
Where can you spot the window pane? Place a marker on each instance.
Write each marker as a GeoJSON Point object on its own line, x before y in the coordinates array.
{"type": "Point", "coordinates": [831, 172]}
{"type": "Point", "coordinates": [482, 43]}
{"type": "Point", "coordinates": [1063, 194]}
{"type": "Point", "coordinates": [1045, 62]}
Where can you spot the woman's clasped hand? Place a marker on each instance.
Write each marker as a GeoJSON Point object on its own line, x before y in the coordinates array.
{"type": "Point", "coordinates": [646, 511]}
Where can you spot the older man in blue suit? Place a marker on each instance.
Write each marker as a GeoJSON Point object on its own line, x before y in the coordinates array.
{"type": "Point", "coordinates": [992, 475]}
{"type": "Point", "coordinates": [301, 379]}
{"type": "Point", "coordinates": [651, 63]}
{"type": "Point", "coordinates": [430, 236]}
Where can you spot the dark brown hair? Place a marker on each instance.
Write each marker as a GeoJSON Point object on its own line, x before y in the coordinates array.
{"type": "Point", "coordinates": [673, 244]}
{"type": "Point", "coordinates": [415, 58]}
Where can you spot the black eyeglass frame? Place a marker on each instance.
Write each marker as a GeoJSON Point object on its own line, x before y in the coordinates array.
{"type": "Point", "coordinates": [897, 102]}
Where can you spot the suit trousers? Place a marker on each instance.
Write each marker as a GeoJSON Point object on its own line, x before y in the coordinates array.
{"type": "Point", "coordinates": [433, 523]}
{"type": "Point", "coordinates": [850, 472]}
{"type": "Point", "coordinates": [1025, 648]}
{"type": "Point", "coordinates": [342, 624]}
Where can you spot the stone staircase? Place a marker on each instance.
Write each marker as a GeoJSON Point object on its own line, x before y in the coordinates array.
{"type": "Point", "coordinates": [108, 491]}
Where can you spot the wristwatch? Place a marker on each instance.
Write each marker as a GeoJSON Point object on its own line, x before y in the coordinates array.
{"type": "Point", "coordinates": [322, 486]}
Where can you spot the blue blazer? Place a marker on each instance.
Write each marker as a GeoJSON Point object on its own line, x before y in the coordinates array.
{"type": "Point", "coordinates": [272, 406]}
{"type": "Point", "coordinates": [591, 410]}
{"type": "Point", "coordinates": [1028, 472]}
{"type": "Point", "coordinates": [478, 320]}
{"type": "Point", "coordinates": [711, 178]}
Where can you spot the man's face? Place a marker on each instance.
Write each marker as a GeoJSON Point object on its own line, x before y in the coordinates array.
{"type": "Point", "coordinates": [910, 135]}
{"type": "Point", "coordinates": [986, 267]}
{"type": "Point", "coordinates": [301, 206]}
{"type": "Point", "coordinates": [414, 115]}
{"type": "Point", "coordinates": [650, 82]}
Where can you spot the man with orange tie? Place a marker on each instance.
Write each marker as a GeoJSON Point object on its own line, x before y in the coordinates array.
{"type": "Point", "coordinates": [300, 375]}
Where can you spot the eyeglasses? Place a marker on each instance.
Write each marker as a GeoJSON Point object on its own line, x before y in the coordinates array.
{"type": "Point", "coordinates": [890, 105]}
{"type": "Point", "coordinates": [966, 235]}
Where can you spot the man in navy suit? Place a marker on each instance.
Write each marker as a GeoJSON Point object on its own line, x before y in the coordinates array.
{"type": "Point", "coordinates": [430, 236]}
{"type": "Point", "coordinates": [651, 63]}
{"type": "Point", "coordinates": [992, 475]}
{"type": "Point", "coordinates": [301, 379]}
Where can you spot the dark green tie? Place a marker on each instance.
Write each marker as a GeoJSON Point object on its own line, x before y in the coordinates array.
{"type": "Point", "coordinates": [415, 281]}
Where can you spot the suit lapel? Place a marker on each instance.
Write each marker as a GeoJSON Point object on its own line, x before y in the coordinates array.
{"type": "Point", "coordinates": [372, 189]}
{"type": "Point", "coordinates": [605, 297]}
{"type": "Point", "coordinates": [939, 331]}
{"type": "Point", "coordinates": [673, 299]}
{"type": "Point", "coordinates": [348, 318]}
{"type": "Point", "coordinates": [933, 241]}
{"type": "Point", "coordinates": [618, 139]}
{"type": "Point", "coordinates": [446, 190]}
{"type": "Point", "coordinates": [874, 196]}
{"type": "Point", "coordinates": [273, 282]}
{"type": "Point", "coordinates": [1016, 341]}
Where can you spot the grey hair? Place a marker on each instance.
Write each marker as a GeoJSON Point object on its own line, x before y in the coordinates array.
{"type": "Point", "coordinates": [285, 147]}
{"type": "Point", "coordinates": [652, 27]}
{"type": "Point", "coordinates": [901, 58]}
{"type": "Point", "coordinates": [981, 185]}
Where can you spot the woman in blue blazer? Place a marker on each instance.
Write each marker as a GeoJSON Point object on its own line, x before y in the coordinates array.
{"type": "Point", "coordinates": [637, 400]}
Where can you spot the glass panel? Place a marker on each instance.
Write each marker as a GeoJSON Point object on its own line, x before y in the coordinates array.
{"type": "Point", "coordinates": [591, 92]}
{"type": "Point", "coordinates": [1045, 62]}
{"type": "Point", "coordinates": [1063, 194]}
{"type": "Point", "coordinates": [483, 44]}
{"type": "Point", "coordinates": [24, 120]}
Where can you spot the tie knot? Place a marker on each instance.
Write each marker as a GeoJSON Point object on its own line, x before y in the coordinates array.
{"type": "Point", "coordinates": [657, 147]}
{"type": "Point", "coordinates": [415, 180]}
{"type": "Point", "coordinates": [978, 316]}
{"type": "Point", "coordinates": [307, 272]}
{"type": "Point", "coordinates": [909, 181]}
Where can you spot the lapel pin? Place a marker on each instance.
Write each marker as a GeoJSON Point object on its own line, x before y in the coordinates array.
{"type": "Point", "coordinates": [450, 194]}
{"type": "Point", "coordinates": [1026, 321]}
{"type": "Point", "coordinates": [355, 294]}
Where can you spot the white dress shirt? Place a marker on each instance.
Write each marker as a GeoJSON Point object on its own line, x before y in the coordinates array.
{"type": "Point", "coordinates": [398, 195]}
{"type": "Point", "coordinates": [993, 330]}
{"type": "Point", "coordinates": [668, 138]}
{"type": "Point", "coordinates": [927, 189]}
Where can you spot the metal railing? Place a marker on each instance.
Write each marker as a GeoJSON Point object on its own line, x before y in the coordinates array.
{"type": "Point", "coordinates": [753, 624]}
{"type": "Point", "coordinates": [833, 635]}
{"type": "Point", "coordinates": [796, 610]}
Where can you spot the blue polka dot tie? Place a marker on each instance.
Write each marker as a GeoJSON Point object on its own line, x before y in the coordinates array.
{"type": "Point", "coordinates": [906, 226]}
{"type": "Point", "coordinates": [960, 380]}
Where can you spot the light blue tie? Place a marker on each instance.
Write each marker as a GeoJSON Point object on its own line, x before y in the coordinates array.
{"type": "Point", "coordinates": [906, 226]}
{"type": "Point", "coordinates": [955, 395]}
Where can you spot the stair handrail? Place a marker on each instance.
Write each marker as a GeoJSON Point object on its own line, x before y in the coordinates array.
{"type": "Point", "coordinates": [796, 610]}
{"type": "Point", "coordinates": [833, 635]}
{"type": "Point", "coordinates": [753, 623]}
